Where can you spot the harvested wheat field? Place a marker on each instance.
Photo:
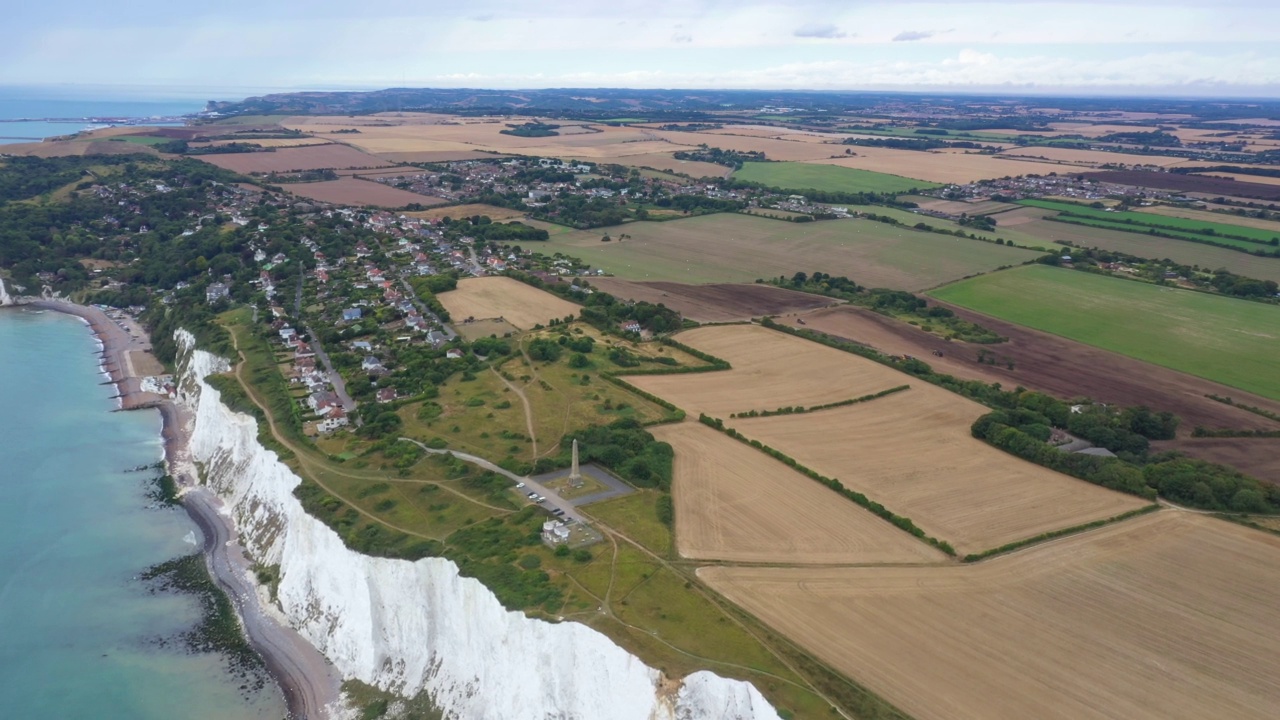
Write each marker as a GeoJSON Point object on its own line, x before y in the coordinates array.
{"type": "Point", "coordinates": [315, 157]}
{"type": "Point", "coordinates": [521, 305]}
{"type": "Point", "coordinates": [1091, 158]}
{"type": "Point", "coordinates": [354, 191]}
{"type": "Point", "coordinates": [1165, 616]}
{"type": "Point", "coordinates": [770, 370]}
{"type": "Point", "coordinates": [493, 212]}
{"type": "Point", "coordinates": [940, 167]}
{"type": "Point", "coordinates": [733, 504]}
{"type": "Point", "coordinates": [666, 161]}
{"type": "Point", "coordinates": [477, 329]}
{"type": "Point", "coordinates": [912, 452]}
{"type": "Point", "coordinates": [1243, 178]}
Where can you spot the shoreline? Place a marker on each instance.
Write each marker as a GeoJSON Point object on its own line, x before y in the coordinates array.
{"type": "Point", "coordinates": [308, 682]}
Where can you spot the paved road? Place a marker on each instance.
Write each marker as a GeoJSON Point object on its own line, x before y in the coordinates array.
{"type": "Point", "coordinates": [335, 378]}
{"type": "Point", "coordinates": [309, 681]}
{"type": "Point", "coordinates": [553, 502]}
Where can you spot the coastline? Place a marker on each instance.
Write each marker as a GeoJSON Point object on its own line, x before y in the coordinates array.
{"type": "Point", "coordinates": [310, 684]}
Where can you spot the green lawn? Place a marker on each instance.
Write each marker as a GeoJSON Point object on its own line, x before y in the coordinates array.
{"type": "Point", "coordinates": [1234, 342]}
{"type": "Point", "coordinates": [1139, 222]}
{"type": "Point", "coordinates": [801, 176]}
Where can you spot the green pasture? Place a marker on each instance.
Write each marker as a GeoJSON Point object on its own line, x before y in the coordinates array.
{"type": "Point", "coordinates": [799, 176]}
{"type": "Point", "coordinates": [1234, 342]}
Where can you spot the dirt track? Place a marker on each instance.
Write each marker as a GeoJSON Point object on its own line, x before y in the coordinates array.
{"type": "Point", "coordinates": [1068, 369]}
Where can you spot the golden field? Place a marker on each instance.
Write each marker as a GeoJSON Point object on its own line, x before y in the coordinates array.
{"type": "Point", "coordinates": [521, 305]}
{"type": "Point", "coordinates": [1165, 616]}
{"type": "Point", "coordinates": [735, 504]}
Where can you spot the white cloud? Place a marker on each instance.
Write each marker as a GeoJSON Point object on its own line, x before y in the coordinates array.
{"type": "Point", "coordinates": [912, 35]}
{"type": "Point", "coordinates": [826, 31]}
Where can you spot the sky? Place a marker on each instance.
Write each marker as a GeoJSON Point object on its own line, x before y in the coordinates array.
{"type": "Point", "coordinates": [232, 48]}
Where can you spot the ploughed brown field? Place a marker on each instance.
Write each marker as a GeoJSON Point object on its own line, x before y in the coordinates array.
{"type": "Point", "coordinates": [911, 451]}
{"type": "Point", "coordinates": [315, 157]}
{"type": "Point", "coordinates": [724, 302]}
{"type": "Point", "coordinates": [1170, 615]}
{"type": "Point", "coordinates": [354, 191]}
{"type": "Point", "coordinates": [1068, 369]}
{"type": "Point", "coordinates": [1189, 183]}
{"type": "Point", "coordinates": [521, 305]}
{"type": "Point", "coordinates": [733, 503]}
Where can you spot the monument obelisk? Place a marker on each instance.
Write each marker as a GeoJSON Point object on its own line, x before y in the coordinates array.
{"type": "Point", "coordinates": [575, 476]}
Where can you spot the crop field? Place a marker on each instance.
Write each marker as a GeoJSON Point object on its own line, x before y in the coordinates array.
{"type": "Point", "coordinates": [1140, 221]}
{"type": "Point", "coordinates": [1134, 242]}
{"type": "Point", "coordinates": [666, 161]}
{"type": "Point", "coordinates": [315, 157]}
{"type": "Point", "coordinates": [1092, 157]}
{"type": "Point", "coordinates": [714, 303]}
{"type": "Point", "coordinates": [1214, 217]}
{"type": "Point", "coordinates": [1189, 183]}
{"type": "Point", "coordinates": [353, 191]}
{"type": "Point", "coordinates": [501, 297]}
{"type": "Point", "coordinates": [733, 504]}
{"type": "Point", "coordinates": [493, 212]}
{"type": "Point", "coordinates": [1100, 625]}
{"type": "Point", "coordinates": [940, 167]}
{"type": "Point", "coordinates": [912, 451]}
{"type": "Point", "coordinates": [1241, 177]}
{"type": "Point", "coordinates": [770, 370]}
{"type": "Point", "coordinates": [829, 178]}
{"type": "Point", "coordinates": [1231, 341]}
{"type": "Point", "coordinates": [735, 248]}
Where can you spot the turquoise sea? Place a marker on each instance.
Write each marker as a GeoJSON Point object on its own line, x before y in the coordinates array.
{"type": "Point", "coordinates": [80, 634]}
{"type": "Point", "coordinates": [31, 107]}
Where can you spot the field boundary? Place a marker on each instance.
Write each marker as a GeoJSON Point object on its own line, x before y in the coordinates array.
{"type": "Point", "coordinates": [1055, 534]}
{"type": "Point", "coordinates": [815, 408]}
{"type": "Point", "coordinates": [901, 522]}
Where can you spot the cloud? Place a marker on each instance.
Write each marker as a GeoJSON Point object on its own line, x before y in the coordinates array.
{"type": "Point", "coordinates": [826, 31]}
{"type": "Point", "coordinates": [912, 35]}
{"type": "Point", "coordinates": [682, 38]}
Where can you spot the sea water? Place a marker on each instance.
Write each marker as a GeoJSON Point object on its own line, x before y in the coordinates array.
{"type": "Point", "coordinates": [81, 635]}
{"type": "Point", "coordinates": [25, 112]}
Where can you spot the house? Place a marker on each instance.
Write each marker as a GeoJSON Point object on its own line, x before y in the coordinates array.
{"type": "Point", "coordinates": [364, 345]}
{"type": "Point", "coordinates": [352, 314]}
{"type": "Point", "coordinates": [555, 532]}
{"type": "Point", "coordinates": [216, 292]}
{"type": "Point", "coordinates": [453, 354]}
{"type": "Point", "coordinates": [631, 326]}
{"type": "Point", "coordinates": [303, 350]}
{"type": "Point", "coordinates": [370, 364]}
{"type": "Point", "coordinates": [337, 418]}
{"type": "Point", "coordinates": [386, 395]}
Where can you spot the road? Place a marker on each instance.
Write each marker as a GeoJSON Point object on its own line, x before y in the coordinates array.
{"type": "Point", "coordinates": [409, 292]}
{"type": "Point", "coordinates": [308, 679]}
{"type": "Point", "coordinates": [476, 268]}
{"type": "Point", "coordinates": [335, 378]}
{"type": "Point", "coordinates": [554, 501]}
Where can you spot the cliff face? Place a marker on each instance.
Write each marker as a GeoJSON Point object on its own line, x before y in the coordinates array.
{"type": "Point", "coordinates": [414, 626]}
{"type": "Point", "coordinates": [4, 295]}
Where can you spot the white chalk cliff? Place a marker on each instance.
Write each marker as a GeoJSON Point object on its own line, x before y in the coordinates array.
{"type": "Point", "coordinates": [413, 626]}
{"type": "Point", "coordinates": [5, 299]}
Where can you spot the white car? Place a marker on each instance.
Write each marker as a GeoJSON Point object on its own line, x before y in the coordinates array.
{"type": "Point", "coordinates": [519, 485]}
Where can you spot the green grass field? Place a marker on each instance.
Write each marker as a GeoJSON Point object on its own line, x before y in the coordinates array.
{"type": "Point", "coordinates": [1138, 222]}
{"type": "Point", "coordinates": [1234, 342]}
{"type": "Point", "coordinates": [731, 247]}
{"type": "Point", "coordinates": [800, 176]}
{"type": "Point", "coordinates": [1143, 245]}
